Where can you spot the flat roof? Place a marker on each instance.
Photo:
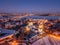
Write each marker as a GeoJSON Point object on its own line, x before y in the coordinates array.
{"type": "Point", "coordinates": [4, 32]}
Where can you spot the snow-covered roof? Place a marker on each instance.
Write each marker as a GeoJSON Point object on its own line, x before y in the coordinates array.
{"type": "Point", "coordinates": [5, 32]}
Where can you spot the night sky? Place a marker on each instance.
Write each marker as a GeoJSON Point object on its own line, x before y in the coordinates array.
{"type": "Point", "coordinates": [13, 6]}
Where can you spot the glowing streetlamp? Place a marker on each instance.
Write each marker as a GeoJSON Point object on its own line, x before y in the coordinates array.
{"type": "Point", "coordinates": [30, 24]}
{"type": "Point", "coordinates": [27, 29]}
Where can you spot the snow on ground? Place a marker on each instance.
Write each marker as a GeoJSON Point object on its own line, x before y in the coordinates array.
{"type": "Point", "coordinates": [47, 41]}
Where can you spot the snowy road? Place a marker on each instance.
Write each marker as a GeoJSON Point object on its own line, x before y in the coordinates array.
{"type": "Point", "coordinates": [48, 40]}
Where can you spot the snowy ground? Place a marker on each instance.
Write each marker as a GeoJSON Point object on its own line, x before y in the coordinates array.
{"type": "Point", "coordinates": [48, 40]}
